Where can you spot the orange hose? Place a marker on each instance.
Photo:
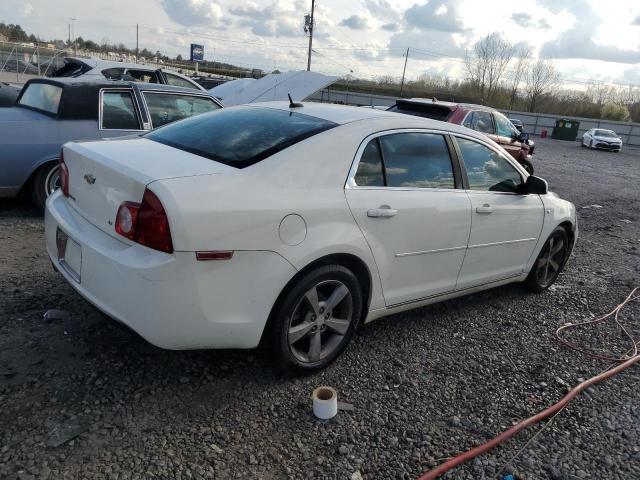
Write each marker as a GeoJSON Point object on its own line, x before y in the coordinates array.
{"type": "Point", "coordinates": [555, 408]}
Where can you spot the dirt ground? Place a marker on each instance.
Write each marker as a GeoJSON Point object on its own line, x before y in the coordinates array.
{"type": "Point", "coordinates": [80, 397]}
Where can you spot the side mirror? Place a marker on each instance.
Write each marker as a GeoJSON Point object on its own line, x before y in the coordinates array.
{"type": "Point", "coordinates": [523, 137]}
{"type": "Point", "coordinates": [536, 185]}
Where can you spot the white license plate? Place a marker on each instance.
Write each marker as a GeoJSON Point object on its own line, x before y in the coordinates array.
{"type": "Point", "coordinates": [69, 254]}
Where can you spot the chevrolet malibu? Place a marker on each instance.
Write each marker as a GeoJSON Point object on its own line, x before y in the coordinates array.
{"type": "Point", "coordinates": [293, 225]}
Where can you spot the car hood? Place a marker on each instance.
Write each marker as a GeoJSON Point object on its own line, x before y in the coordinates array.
{"type": "Point", "coordinates": [276, 86]}
{"type": "Point", "coordinates": [20, 114]}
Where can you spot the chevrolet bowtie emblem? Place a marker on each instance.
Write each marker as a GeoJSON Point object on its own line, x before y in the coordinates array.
{"type": "Point", "coordinates": [90, 179]}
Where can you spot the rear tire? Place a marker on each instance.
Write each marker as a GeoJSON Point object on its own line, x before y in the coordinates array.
{"type": "Point", "coordinates": [550, 261]}
{"type": "Point", "coordinates": [315, 320]}
{"type": "Point", "coordinates": [45, 182]}
{"type": "Point", "coordinates": [528, 166]}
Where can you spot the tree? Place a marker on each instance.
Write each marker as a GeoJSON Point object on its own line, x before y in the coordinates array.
{"type": "Point", "coordinates": [540, 78]}
{"type": "Point", "coordinates": [487, 62]}
{"type": "Point", "coordinates": [619, 113]}
{"type": "Point", "coordinates": [517, 74]}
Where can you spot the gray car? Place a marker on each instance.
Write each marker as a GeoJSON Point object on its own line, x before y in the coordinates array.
{"type": "Point", "coordinates": [50, 112]}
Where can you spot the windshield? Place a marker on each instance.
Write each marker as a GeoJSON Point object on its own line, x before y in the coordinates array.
{"type": "Point", "coordinates": [42, 96]}
{"type": "Point", "coordinates": [605, 133]}
{"type": "Point", "coordinates": [240, 136]}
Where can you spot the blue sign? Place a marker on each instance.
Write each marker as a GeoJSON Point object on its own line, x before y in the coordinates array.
{"type": "Point", "coordinates": [197, 53]}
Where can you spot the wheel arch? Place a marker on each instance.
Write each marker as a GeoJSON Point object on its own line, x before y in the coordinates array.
{"type": "Point", "coordinates": [43, 162]}
{"type": "Point", "coordinates": [571, 233]}
{"type": "Point", "coordinates": [347, 260]}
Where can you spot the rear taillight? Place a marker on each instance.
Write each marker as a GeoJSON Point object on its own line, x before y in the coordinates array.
{"type": "Point", "coordinates": [64, 176]}
{"type": "Point", "coordinates": [145, 223]}
{"type": "Point", "coordinates": [126, 219]}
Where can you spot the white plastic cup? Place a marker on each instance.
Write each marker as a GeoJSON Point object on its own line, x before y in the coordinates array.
{"type": "Point", "coordinates": [325, 403]}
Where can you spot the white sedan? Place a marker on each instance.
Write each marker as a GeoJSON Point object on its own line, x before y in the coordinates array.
{"type": "Point", "coordinates": [602, 139]}
{"type": "Point", "coordinates": [294, 225]}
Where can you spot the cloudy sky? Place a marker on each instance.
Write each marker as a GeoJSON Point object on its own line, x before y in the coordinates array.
{"type": "Point", "coordinates": [588, 40]}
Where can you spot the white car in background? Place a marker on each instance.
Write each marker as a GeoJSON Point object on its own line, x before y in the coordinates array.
{"type": "Point", "coordinates": [600, 138]}
{"type": "Point", "coordinates": [98, 69]}
{"type": "Point", "coordinates": [295, 224]}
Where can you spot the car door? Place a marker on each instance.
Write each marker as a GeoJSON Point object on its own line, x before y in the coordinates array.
{"type": "Point", "coordinates": [118, 113]}
{"type": "Point", "coordinates": [507, 135]}
{"type": "Point", "coordinates": [505, 224]}
{"type": "Point", "coordinates": [403, 194]}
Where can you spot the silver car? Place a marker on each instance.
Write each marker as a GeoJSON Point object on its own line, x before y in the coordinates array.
{"type": "Point", "coordinates": [50, 112]}
{"type": "Point", "coordinates": [96, 69]}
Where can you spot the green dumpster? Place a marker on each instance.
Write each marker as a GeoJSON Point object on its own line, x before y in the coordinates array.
{"type": "Point", "coordinates": [566, 129]}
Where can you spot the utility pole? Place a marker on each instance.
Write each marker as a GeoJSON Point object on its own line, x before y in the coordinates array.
{"type": "Point", "coordinates": [69, 42]}
{"type": "Point", "coordinates": [73, 34]}
{"type": "Point", "coordinates": [309, 27]}
{"type": "Point", "coordinates": [406, 57]}
{"type": "Point", "coordinates": [137, 51]}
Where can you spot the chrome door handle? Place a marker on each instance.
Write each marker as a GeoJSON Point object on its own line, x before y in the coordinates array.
{"type": "Point", "coordinates": [384, 211]}
{"type": "Point", "coordinates": [486, 208]}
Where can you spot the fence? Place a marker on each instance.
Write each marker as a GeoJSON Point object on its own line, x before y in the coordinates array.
{"type": "Point", "coordinates": [534, 123]}
{"type": "Point", "coordinates": [21, 61]}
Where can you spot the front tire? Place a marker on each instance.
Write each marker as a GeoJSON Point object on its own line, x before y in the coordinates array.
{"type": "Point", "coordinates": [550, 261]}
{"type": "Point", "coordinates": [316, 319]}
{"type": "Point", "coordinates": [528, 166]}
{"type": "Point", "coordinates": [45, 182]}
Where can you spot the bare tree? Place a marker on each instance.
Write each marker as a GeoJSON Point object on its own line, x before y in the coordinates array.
{"type": "Point", "coordinates": [517, 74]}
{"type": "Point", "coordinates": [487, 62]}
{"type": "Point", "coordinates": [540, 78]}
{"type": "Point", "coordinates": [386, 80]}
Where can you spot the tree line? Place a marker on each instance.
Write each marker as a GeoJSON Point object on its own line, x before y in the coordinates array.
{"type": "Point", "coordinates": [506, 76]}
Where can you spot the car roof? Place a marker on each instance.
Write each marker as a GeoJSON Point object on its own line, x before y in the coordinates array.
{"type": "Point", "coordinates": [343, 114]}
{"type": "Point", "coordinates": [96, 84]}
{"type": "Point", "coordinates": [451, 105]}
{"type": "Point", "coordinates": [99, 64]}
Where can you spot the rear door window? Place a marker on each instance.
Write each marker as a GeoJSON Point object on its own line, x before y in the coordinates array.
{"type": "Point", "coordinates": [42, 96]}
{"type": "Point", "coordinates": [118, 111]}
{"type": "Point", "coordinates": [240, 136]}
{"type": "Point", "coordinates": [482, 122]}
{"type": "Point", "coordinates": [417, 160]}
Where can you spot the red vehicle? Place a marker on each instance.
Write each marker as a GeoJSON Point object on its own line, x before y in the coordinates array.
{"type": "Point", "coordinates": [477, 117]}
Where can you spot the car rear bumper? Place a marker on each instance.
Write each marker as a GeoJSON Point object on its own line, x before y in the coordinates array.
{"type": "Point", "coordinates": [173, 301]}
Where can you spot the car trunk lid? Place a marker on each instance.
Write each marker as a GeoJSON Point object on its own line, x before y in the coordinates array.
{"type": "Point", "coordinates": [103, 175]}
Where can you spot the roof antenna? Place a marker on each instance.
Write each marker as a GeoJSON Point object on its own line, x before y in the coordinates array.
{"type": "Point", "coordinates": [293, 104]}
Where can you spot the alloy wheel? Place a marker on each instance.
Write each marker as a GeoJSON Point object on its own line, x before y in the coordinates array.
{"type": "Point", "coordinates": [320, 320]}
{"type": "Point", "coordinates": [550, 260]}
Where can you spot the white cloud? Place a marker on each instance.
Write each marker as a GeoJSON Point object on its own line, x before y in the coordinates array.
{"type": "Point", "coordinates": [355, 22]}
{"type": "Point", "coordinates": [27, 8]}
{"type": "Point", "coordinates": [193, 12]}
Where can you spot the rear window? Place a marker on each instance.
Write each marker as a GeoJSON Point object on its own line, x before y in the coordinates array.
{"type": "Point", "coordinates": [426, 110]}
{"type": "Point", "coordinates": [240, 136]}
{"type": "Point", "coordinates": [42, 96]}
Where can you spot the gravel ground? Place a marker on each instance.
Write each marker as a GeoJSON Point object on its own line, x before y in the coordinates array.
{"type": "Point", "coordinates": [82, 398]}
